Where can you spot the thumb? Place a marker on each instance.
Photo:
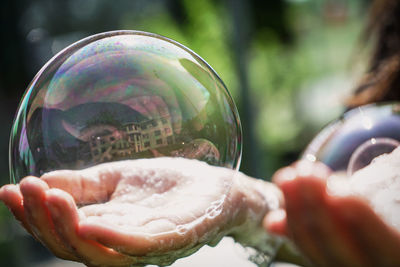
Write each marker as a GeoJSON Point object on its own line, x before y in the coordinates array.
{"type": "Point", "coordinates": [91, 185]}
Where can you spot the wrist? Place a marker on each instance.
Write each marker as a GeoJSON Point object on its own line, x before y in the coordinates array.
{"type": "Point", "coordinates": [254, 199]}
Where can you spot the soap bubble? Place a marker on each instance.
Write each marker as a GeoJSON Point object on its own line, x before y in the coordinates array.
{"type": "Point", "coordinates": [353, 141]}
{"type": "Point", "coordinates": [368, 151]}
{"type": "Point", "coordinates": [123, 95]}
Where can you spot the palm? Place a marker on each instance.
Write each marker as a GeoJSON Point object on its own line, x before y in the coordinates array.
{"type": "Point", "coordinates": [166, 206]}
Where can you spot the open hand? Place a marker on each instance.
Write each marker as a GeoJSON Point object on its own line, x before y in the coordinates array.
{"type": "Point", "coordinates": [137, 212]}
{"type": "Point", "coordinates": [331, 230]}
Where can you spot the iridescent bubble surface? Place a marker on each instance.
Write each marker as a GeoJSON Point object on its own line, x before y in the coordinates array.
{"type": "Point", "coordinates": [354, 140]}
{"type": "Point", "coordinates": [123, 95]}
{"type": "Point", "coordinates": [368, 151]}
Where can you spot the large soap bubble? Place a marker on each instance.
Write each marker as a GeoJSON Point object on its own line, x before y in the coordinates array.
{"type": "Point", "coordinates": [353, 141]}
{"type": "Point", "coordinates": [123, 95]}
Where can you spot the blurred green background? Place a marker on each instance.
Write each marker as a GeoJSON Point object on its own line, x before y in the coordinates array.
{"type": "Point", "coordinates": [289, 65]}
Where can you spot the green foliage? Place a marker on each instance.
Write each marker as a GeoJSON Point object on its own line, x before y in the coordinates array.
{"type": "Point", "coordinates": [280, 73]}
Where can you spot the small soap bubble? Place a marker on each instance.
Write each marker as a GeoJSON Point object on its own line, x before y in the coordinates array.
{"type": "Point", "coordinates": [182, 229]}
{"type": "Point", "coordinates": [123, 95]}
{"type": "Point", "coordinates": [356, 139]}
{"type": "Point", "coordinates": [215, 208]}
{"type": "Point", "coordinates": [368, 151]}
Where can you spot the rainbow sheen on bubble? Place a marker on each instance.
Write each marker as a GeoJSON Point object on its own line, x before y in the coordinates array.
{"type": "Point", "coordinates": [359, 136]}
{"type": "Point", "coordinates": [123, 95]}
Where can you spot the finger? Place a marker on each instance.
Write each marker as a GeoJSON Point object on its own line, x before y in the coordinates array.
{"type": "Point", "coordinates": [309, 219]}
{"type": "Point", "coordinates": [322, 227]}
{"type": "Point", "coordinates": [138, 243]}
{"type": "Point", "coordinates": [12, 198]}
{"type": "Point", "coordinates": [33, 190]}
{"type": "Point", "coordinates": [65, 216]}
{"type": "Point", "coordinates": [275, 222]}
{"type": "Point", "coordinates": [284, 174]}
{"type": "Point", "coordinates": [377, 241]}
{"type": "Point", "coordinates": [92, 185]}
{"type": "Point", "coordinates": [297, 225]}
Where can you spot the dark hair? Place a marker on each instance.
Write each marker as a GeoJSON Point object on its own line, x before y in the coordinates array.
{"type": "Point", "coordinates": [382, 81]}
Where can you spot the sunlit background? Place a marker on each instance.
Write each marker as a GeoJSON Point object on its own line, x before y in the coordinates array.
{"type": "Point", "coordinates": [289, 64]}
